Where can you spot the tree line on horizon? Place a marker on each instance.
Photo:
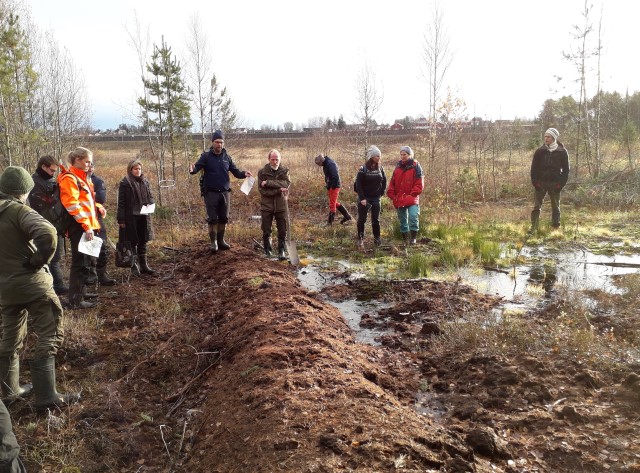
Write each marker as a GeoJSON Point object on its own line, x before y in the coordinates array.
{"type": "Point", "coordinates": [44, 106]}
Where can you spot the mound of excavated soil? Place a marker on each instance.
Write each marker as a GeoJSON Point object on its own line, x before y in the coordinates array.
{"type": "Point", "coordinates": [224, 363]}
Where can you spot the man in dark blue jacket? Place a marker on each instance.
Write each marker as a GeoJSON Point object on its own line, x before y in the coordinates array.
{"type": "Point", "coordinates": [332, 180]}
{"type": "Point", "coordinates": [215, 188]}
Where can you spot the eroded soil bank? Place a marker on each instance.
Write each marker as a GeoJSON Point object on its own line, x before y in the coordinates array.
{"type": "Point", "coordinates": [227, 364]}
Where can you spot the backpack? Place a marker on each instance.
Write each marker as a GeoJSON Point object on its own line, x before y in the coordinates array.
{"type": "Point", "coordinates": [56, 213]}
{"type": "Point", "coordinates": [355, 181]}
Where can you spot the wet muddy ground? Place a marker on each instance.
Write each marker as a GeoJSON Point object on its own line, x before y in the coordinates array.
{"type": "Point", "coordinates": [227, 363]}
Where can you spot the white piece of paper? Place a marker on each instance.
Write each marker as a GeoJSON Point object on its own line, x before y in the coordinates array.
{"type": "Point", "coordinates": [90, 247]}
{"type": "Point", "coordinates": [148, 209]}
{"type": "Point", "coordinates": [247, 184]}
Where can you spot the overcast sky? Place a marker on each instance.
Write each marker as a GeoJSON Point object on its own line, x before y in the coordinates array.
{"type": "Point", "coordinates": [293, 60]}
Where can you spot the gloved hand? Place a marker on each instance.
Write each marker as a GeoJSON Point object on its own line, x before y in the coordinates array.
{"type": "Point", "coordinates": [35, 261]}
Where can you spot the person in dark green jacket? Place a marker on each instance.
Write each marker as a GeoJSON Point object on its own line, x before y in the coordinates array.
{"type": "Point", "coordinates": [26, 292]}
{"type": "Point", "coordinates": [273, 184]}
{"type": "Point", "coordinates": [9, 449]}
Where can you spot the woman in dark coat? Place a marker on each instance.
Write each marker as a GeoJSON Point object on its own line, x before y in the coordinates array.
{"type": "Point", "coordinates": [371, 184]}
{"type": "Point", "coordinates": [134, 193]}
{"type": "Point", "coordinates": [549, 174]}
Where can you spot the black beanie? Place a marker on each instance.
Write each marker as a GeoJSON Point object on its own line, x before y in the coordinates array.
{"type": "Point", "coordinates": [217, 135]}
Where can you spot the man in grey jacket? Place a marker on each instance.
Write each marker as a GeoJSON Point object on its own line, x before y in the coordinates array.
{"type": "Point", "coordinates": [26, 292]}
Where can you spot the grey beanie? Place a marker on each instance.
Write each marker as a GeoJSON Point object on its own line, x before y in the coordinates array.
{"type": "Point", "coordinates": [15, 181]}
{"type": "Point", "coordinates": [319, 160]}
{"type": "Point", "coordinates": [373, 151]}
{"type": "Point", "coordinates": [217, 135]}
{"type": "Point", "coordinates": [553, 132]}
{"type": "Point", "coordinates": [408, 150]}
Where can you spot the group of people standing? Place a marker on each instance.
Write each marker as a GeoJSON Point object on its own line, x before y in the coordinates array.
{"type": "Point", "coordinates": [403, 189]}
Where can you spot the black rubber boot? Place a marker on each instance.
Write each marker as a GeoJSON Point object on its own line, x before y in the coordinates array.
{"type": "Point", "coordinates": [77, 291]}
{"type": "Point", "coordinates": [535, 218]}
{"type": "Point", "coordinates": [346, 217]}
{"type": "Point", "coordinates": [375, 229]}
{"type": "Point", "coordinates": [135, 265]}
{"type": "Point", "coordinates": [281, 255]}
{"type": "Point", "coordinates": [10, 380]}
{"type": "Point", "coordinates": [213, 237]}
{"type": "Point", "coordinates": [414, 237]}
{"type": "Point", "coordinates": [331, 218]}
{"type": "Point", "coordinates": [222, 245]}
{"type": "Point", "coordinates": [266, 243]}
{"type": "Point", "coordinates": [103, 277]}
{"type": "Point", "coordinates": [93, 273]}
{"type": "Point", "coordinates": [406, 237]}
{"type": "Point", "coordinates": [43, 374]}
{"type": "Point", "coordinates": [144, 265]}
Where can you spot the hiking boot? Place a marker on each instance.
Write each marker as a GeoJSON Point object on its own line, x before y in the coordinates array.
{"type": "Point", "coordinates": [377, 241]}
{"type": "Point", "coordinates": [331, 218]}
{"type": "Point", "coordinates": [414, 237]}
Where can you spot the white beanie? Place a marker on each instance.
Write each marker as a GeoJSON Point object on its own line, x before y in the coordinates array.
{"type": "Point", "coordinates": [373, 151]}
{"type": "Point", "coordinates": [408, 150]}
{"type": "Point", "coordinates": [553, 132]}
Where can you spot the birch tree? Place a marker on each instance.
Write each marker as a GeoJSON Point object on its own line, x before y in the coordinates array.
{"type": "Point", "coordinates": [437, 57]}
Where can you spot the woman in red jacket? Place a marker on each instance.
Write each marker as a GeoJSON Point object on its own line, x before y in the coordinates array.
{"type": "Point", "coordinates": [404, 190]}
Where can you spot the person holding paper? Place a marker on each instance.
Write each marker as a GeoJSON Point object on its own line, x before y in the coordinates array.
{"type": "Point", "coordinates": [215, 188]}
{"type": "Point", "coordinates": [27, 295]}
{"type": "Point", "coordinates": [78, 197]}
{"type": "Point", "coordinates": [135, 201]}
{"type": "Point", "coordinates": [273, 180]}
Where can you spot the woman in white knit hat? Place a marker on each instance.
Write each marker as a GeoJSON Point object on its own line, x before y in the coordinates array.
{"type": "Point", "coordinates": [549, 174]}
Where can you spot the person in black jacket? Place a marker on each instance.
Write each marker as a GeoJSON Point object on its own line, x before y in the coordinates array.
{"type": "Point", "coordinates": [549, 174]}
{"type": "Point", "coordinates": [133, 193]}
{"type": "Point", "coordinates": [332, 180]}
{"type": "Point", "coordinates": [215, 187]}
{"type": "Point", "coordinates": [371, 184]}
{"type": "Point", "coordinates": [99, 264]}
{"type": "Point", "coordinates": [41, 198]}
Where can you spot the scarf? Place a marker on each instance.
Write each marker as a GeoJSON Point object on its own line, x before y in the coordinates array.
{"type": "Point", "coordinates": [553, 146]}
{"type": "Point", "coordinates": [140, 192]}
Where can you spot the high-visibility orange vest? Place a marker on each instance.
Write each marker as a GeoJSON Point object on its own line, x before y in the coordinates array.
{"type": "Point", "coordinates": [78, 197]}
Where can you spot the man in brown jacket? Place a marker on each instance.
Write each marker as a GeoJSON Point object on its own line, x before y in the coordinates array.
{"type": "Point", "coordinates": [26, 291]}
{"type": "Point", "coordinates": [273, 180]}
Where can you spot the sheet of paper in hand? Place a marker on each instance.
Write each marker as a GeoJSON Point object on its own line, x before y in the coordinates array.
{"type": "Point", "coordinates": [90, 247]}
{"type": "Point", "coordinates": [247, 184]}
{"type": "Point", "coordinates": [148, 209]}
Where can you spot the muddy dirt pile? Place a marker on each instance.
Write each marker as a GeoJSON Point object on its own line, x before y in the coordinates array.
{"type": "Point", "coordinates": [226, 364]}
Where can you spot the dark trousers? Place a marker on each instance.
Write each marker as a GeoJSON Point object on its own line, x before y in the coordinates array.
{"type": "Point", "coordinates": [217, 205]}
{"type": "Point", "coordinates": [54, 265]}
{"type": "Point", "coordinates": [281, 224]}
{"type": "Point", "coordinates": [80, 267]}
{"type": "Point", "coordinates": [105, 251]}
{"type": "Point", "coordinates": [554, 198]}
{"type": "Point", "coordinates": [363, 210]}
{"type": "Point", "coordinates": [139, 234]}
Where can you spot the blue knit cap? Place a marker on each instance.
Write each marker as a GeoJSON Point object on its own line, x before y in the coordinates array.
{"type": "Point", "coordinates": [217, 135]}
